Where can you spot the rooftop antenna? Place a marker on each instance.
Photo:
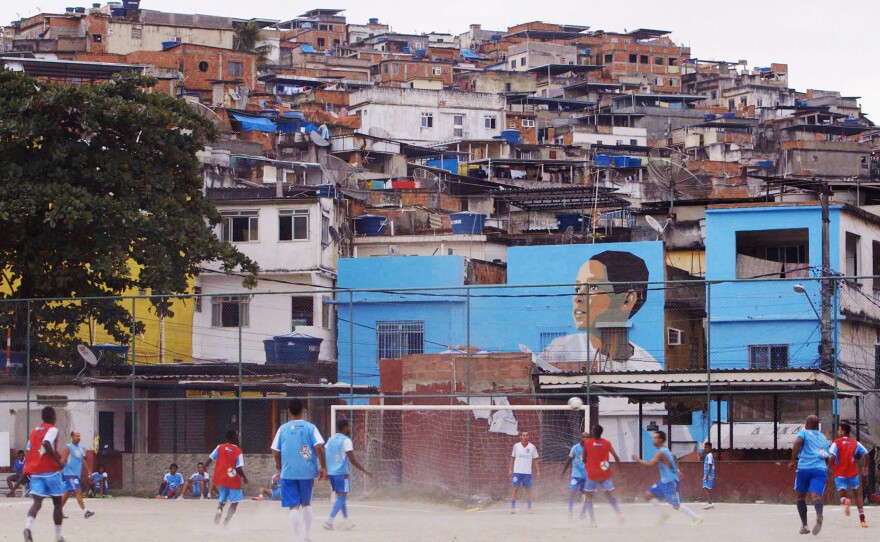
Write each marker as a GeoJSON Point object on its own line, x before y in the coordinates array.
{"type": "Point", "coordinates": [88, 357]}
{"type": "Point", "coordinates": [656, 226]}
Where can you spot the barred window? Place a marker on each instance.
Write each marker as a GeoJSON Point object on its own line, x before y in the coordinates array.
{"type": "Point", "coordinates": [230, 311]}
{"type": "Point", "coordinates": [398, 339]}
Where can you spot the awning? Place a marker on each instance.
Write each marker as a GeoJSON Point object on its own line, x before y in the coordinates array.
{"type": "Point", "coordinates": [255, 124]}
{"type": "Point", "coordinates": [755, 435]}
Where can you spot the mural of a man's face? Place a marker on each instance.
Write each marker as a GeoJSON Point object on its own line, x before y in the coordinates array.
{"type": "Point", "coordinates": [606, 306]}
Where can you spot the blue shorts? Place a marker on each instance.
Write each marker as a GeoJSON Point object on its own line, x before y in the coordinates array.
{"type": "Point", "coordinates": [842, 483]}
{"type": "Point", "coordinates": [340, 483]}
{"type": "Point", "coordinates": [170, 490]}
{"type": "Point", "coordinates": [276, 494]}
{"type": "Point", "coordinates": [226, 494]}
{"type": "Point", "coordinates": [521, 480]}
{"type": "Point", "coordinates": [666, 491]}
{"type": "Point", "coordinates": [296, 492]}
{"type": "Point", "coordinates": [709, 484]}
{"type": "Point", "coordinates": [811, 481]}
{"type": "Point", "coordinates": [593, 486]}
{"type": "Point", "coordinates": [71, 483]}
{"type": "Point", "coordinates": [47, 485]}
{"type": "Point", "coordinates": [577, 484]}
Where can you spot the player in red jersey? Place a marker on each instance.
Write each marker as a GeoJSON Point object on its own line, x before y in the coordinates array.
{"type": "Point", "coordinates": [43, 465]}
{"type": "Point", "coordinates": [846, 454]}
{"type": "Point", "coordinates": [597, 452]}
{"type": "Point", "coordinates": [228, 475]}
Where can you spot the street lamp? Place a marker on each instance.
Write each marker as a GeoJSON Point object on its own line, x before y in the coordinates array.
{"type": "Point", "coordinates": [825, 350]}
{"type": "Point", "coordinates": [799, 288]}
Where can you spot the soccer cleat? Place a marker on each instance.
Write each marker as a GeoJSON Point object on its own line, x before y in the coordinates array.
{"type": "Point", "coordinates": [846, 504]}
{"type": "Point", "coordinates": [697, 521]}
{"type": "Point", "coordinates": [804, 530]}
{"type": "Point", "coordinates": [818, 526]}
{"type": "Point", "coordinates": [258, 498]}
{"type": "Point", "coordinates": [709, 506]}
{"type": "Point", "coordinates": [328, 526]}
{"type": "Point", "coordinates": [88, 514]}
{"type": "Point", "coordinates": [864, 524]}
{"type": "Point", "coordinates": [27, 536]}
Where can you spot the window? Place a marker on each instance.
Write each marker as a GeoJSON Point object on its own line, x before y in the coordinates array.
{"type": "Point", "coordinates": [548, 337]}
{"type": "Point", "coordinates": [321, 43]}
{"type": "Point", "coordinates": [293, 225]}
{"type": "Point", "coordinates": [633, 59]}
{"type": "Point", "coordinates": [714, 94]}
{"type": "Point", "coordinates": [609, 58]}
{"type": "Point", "coordinates": [759, 102]}
{"type": "Point", "coordinates": [395, 68]}
{"type": "Point", "coordinates": [203, 66]}
{"type": "Point", "coordinates": [236, 69]}
{"type": "Point", "coordinates": [744, 100]}
{"type": "Point", "coordinates": [326, 313]}
{"type": "Point", "coordinates": [644, 59]}
{"type": "Point", "coordinates": [197, 301]}
{"type": "Point", "coordinates": [302, 311]}
{"type": "Point", "coordinates": [673, 81]}
{"type": "Point", "coordinates": [458, 125]}
{"type": "Point", "coordinates": [513, 64]}
{"type": "Point", "coordinates": [239, 226]}
{"type": "Point", "coordinates": [673, 61]}
{"type": "Point", "coordinates": [875, 264]}
{"type": "Point", "coordinates": [551, 155]}
{"type": "Point", "coordinates": [674, 337]}
{"type": "Point", "coordinates": [772, 254]}
{"type": "Point", "coordinates": [658, 60]}
{"type": "Point", "coordinates": [397, 339]}
{"type": "Point", "coordinates": [135, 33]}
{"type": "Point", "coordinates": [853, 241]}
{"type": "Point", "coordinates": [768, 356]}
{"type": "Point", "coordinates": [731, 105]}
{"type": "Point", "coordinates": [522, 62]}
{"type": "Point", "coordinates": [512, 125]}
{"type": "Point", "coordinates": [437, 70]}
{"type": "Point", "coordinates": [230, 311]}
{"type": "Point", "coordinates": [325, 230]}
{"type": "Point", "coordinates": [97, 38]}
{"type": "Point", "coordinates": [427, 120]}
{"type": "Point", "coordinates": [634, 142]}
{"type": "Point", "coordinates": [528, 123]}
{"type": "Point", "coordinates": [490, 122]}
{"type": "Point", "coordinates": [507, 87]}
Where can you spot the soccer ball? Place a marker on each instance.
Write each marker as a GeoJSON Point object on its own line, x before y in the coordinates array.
{"type": "Point", "coordinates": [575, 403]}
{"type": "Point", "coordinates": [604, 465]}
{"type": "Point", "coordinates": [231, 472]}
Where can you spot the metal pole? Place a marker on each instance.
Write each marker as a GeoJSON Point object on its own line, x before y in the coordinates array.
{"type": "Point", "coordinates": [133, 412]}
{"type": "Point", "coordinates": [718, 421]}
{"type": "Point", "coordinates": [27, 373]}
{"type": "Point", "coordinates": [775, 422]}
{"type": "Point", "coordinates": [641, 428]}
{"type": "Point", "coordinates": [708, 358]}
{"type": "Point", "coordinates": [240, 373]}
{"type": "Point", "coordinates": [589, 418]}
{"type": "Point", "coordinates": [467, 390]}
{"type": "Point", "coordinates": [825, 320]}
{"type": "Point", "coordinates": [835, 349]}
{"type": "Point", "coordinates": [351, 350]}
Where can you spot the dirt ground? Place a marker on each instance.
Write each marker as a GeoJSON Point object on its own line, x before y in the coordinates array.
{"type": "Point", "coordinates": [130, 519]}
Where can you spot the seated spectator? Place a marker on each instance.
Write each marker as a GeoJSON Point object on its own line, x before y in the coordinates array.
{"type": "Point", "coordinates": [17, 478]}
{"type": "Point", "coordinates": [273, 491]}
{"type": "Point", "coordinates": [198, 484]}
{"type": "Point", "coordinates": [100, 485]}
{"type": "Point", "coordinates": [172, 484]}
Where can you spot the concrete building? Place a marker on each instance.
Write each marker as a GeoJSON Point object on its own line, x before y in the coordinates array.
{"type": "Point", "coordinates": [356, 33]}
{"type": "Point", "coordinates": [428, 115]}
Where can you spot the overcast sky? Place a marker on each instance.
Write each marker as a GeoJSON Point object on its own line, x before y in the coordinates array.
{"type": "Point", "coordinates": [827, 45]}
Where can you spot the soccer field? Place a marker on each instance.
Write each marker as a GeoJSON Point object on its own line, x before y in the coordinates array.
{"type": "Point", "coordinates": [129, 519]}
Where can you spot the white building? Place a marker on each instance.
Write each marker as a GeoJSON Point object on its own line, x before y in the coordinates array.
{"type": "Point", "coordinates": [291, 239]}
{"type": "Point", "coordinates": [477, 247]}
{"type": "Point", "coordinates": [430, 116]}
{"type": "Point", "coordinates": [528, 55]}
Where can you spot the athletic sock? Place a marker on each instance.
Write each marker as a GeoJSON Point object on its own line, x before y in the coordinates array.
{"type": "Point", "coordinates": [512, 503]}
{"type": "Point", "coordinates": [818, 505]}
{"type": "Point", "coordinates": [296, 523]}
{"type": "Point", "coordinates": [307, 519]}
{"type": "Point", "coordinates": [688, 512]}
{"type": "Point", "coordinates": [529, 504]}
{"type": "Point", "coordinates": [571, 504]}
{"type": "Point", "coordinates": [58, 532]}
{"type": "Point", "coordinates": [588, 507]}
{"type": "Point", "coordinates": [344, 506]}
{"type": "Point", "coordinates": [842, 500]}
{"type": "Point", "coordinates": [612, 500]}
{"type": "Point", "coordinates": [337, 506]}
{"type": "Point", "coordinates": [802, 511]}
{"type": "Point", "coordinates": [29, 522]}
{"type": "Point", "coordinates": [861, 514]}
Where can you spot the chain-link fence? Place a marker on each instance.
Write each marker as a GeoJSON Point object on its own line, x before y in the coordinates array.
{"type": "Point", "coordinates": [738, 364]}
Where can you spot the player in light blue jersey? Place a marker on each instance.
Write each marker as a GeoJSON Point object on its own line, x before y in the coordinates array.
{"type": "Point", "coordinates": [172, 484]}
{"type": "Point", "coordinates": [708, 474]}
{"type": "Point", "coordinates": [578, 473]}
{"type": "Point", "coordinates": [809, 457]}
{"type": "Point", "coordinates": [72, 456]}
{"type": "Point", "coordinates": [298, 448]}
{"type": "Point", "coordinates": [667, 488]}
{"type": "Point", "coordinates": [339, 452]}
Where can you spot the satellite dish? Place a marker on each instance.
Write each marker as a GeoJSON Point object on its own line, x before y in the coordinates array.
{"type": "Point", "coordinates": [393, 250]}
{"type": "Point", "coordinates": [656, 226]}
{"type": "Point", "coordinates": [87, 355]}
{"type": "Point", "coordinates": [318, 140]}
{"type": "Point", "coordinates": [334, 234]}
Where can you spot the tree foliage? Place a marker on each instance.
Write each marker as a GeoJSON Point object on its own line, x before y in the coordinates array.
{"type": "Point", "coordinates": [100, 193]}
{"type": "Point", "coordinates": [247, 35]}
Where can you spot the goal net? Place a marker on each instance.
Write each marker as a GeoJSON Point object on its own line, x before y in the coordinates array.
{"type": "Point", "coordinates": [456, 451]}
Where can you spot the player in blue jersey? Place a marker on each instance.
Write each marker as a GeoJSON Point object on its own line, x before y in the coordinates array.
{"type": "Point", "coordinates": [667, 488]}
{"type": "Point", "coordinates": [72, 456]}
{"type": "Point", "coordinates": [100, 483]}
{"type": "Point", "coordinates": [298, 448]}
{"type": "Point", "coordinates": [339, 453]}
{"type": "Point", "coordinates": [198, 484]}
{"type": "Point", "coordinates": [578, 473]}
{"type": "Point", "coordinates": [809, 457]}
{"type": "Point", "coordinates": [708, 474]}
{"type": "Point", "coordinates": [172, 484]}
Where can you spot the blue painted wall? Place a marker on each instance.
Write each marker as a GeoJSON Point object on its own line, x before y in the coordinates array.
{"type": "Point", "coordinates": [763, 312]}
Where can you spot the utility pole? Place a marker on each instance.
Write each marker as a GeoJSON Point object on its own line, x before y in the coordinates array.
{"type": "Point", "coordinates": [826, 349]}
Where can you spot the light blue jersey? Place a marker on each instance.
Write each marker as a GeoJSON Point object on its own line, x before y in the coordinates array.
{"type": "Point", "coordinates": [814, 450]}
{"type": "Point", "coordinates": [578, 469]}
{"type": "Point", "coordinates": [174, 481]}
{"type": "Point", "coordinates": [668, 473]}
{"type": "Point", "coordinates": [296, 441]}
{"type": "Point", "coordinates": [336, 454]}
{"type": "Point", "coordinates": [709, 466]}
{"type": "Point", "coordinates": [74, 464]}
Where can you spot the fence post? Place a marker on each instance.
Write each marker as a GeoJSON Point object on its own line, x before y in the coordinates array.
{"type": "Point", "coordinates": [588, 418]}
{"type": "Point", "coordinates": [708, 362]}
{"type": "Point", "coordinates": [467, 457]}
{"type": "Point", "coordinates": [134, 429]}
{"type": "Point", "coordinates": [351, 353]}
{"type": "Point", "coordinates": [240, 372]}
{"type": "Point", "coordinates": [28, 369]}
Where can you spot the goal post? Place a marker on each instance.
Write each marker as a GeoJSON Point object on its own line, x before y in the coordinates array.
{"type": "Point", "coordinates": [456, 451]}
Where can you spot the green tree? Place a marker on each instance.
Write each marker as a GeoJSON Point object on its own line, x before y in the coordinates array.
{"type": "Point", "coordinates": [247, 35]}
{"type": "Point", "coordinates": [100, 192]}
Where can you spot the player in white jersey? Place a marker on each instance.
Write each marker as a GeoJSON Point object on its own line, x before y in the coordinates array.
{"type": "Point", "coordinates": [299, 456]}
{"type": "Point", "coordinates": [524, 460]}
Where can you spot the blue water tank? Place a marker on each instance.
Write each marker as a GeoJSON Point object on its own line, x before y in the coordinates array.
{"type": "Point", "coordinates": [326, 190]}
{"type": "Point", "coordinates": [373, 20]}
{"type": "Point", "coordinates": [292, 349]}
{"type": "Point", "coordinates": [577, 221]}
{"type": "Point", "coordinates": [468, 223]}
{"type": "Point", "coordinates": [293, 114]}
{"type": "Point", "coordinates": [370, 225]}
{"type": "Point", "coordinates": [511, 136]}
{"type": "Point", "coordinates": [620, 161]}
{"type": "Point", "coordinates": [603, 160]}
{"type": "Point", "coordinates": [119, 350]}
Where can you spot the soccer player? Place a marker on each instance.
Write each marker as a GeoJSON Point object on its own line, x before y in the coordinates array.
{"type": "Point", "coordinates": [578, 474]}
{"type": "Point", "coordinates": [43, 464]}
{"type": "Point", "coordinates": [228, 475]}
{"type": "Point", "coordinates": [597, 453]}
{"type": "Point", "coordinates": [17, 470]}
{"type": "Point", "coordinates": [72, 457]}
{"type": "Point", "coordinates": [298, 448]}
{"type": "Point", "coordinates": [667, 488]}
{"type": "Point", "coordinates": [100, 485]}
{"type": "Point", "coordinates": [339, 453]}
{"type": "Point", "coordinates": [198, 483]}
{"type": "Point", "coordinates": [523, 459]}
{"type": "Point", "coordinates": [708, 474]}
{"type": "Point", "coordinates": [846, 454]}
{"type": "Point", "coordinates": [273, 491]}
{"type": "Point", "coordinates": [809, 457]}
{"type": "Point", "coordinates": [171, 483]}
